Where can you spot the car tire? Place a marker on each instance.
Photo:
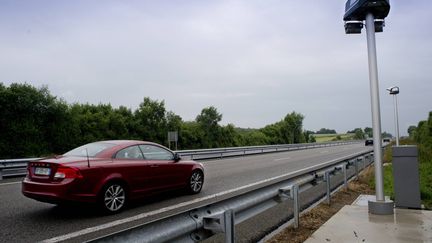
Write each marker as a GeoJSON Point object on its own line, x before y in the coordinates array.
{"type": "Point", "coordinates": [195, 182]}
{"type": "Point", "coordinates": [113, 198]}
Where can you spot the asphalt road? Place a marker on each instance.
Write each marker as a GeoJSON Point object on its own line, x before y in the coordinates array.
{"type": "Point", "coordinates": [26, 220]}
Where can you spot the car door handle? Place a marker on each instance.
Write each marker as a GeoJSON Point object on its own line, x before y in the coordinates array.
{"type": "Point", "coordinates": [154, 166]}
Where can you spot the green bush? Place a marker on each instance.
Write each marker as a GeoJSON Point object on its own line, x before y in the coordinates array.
{"type": "Point", "coordinates": [426, 184]}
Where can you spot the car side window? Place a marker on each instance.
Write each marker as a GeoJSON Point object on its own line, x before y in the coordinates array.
{"type": "Point", "coordinates": [152, 152]}
{"type": "Point", "coordinates": [132, 152]}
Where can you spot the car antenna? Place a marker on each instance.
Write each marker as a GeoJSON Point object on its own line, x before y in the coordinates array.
{"type": "Point", "coordinates": [88, 160]}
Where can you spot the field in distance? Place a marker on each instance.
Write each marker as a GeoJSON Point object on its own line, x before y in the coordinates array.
{"type": "Point", "coordinates": [321, 138]}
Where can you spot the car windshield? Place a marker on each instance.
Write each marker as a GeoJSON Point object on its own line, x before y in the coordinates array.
{"type": "Point", "coordinates": [91, 149]}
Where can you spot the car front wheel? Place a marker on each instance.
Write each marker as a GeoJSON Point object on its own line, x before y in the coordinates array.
{"type": "Point", "coordinates": [196, 182]}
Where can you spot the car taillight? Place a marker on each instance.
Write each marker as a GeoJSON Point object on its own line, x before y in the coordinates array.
{"type": "Point", "coordinates": [67, 172]}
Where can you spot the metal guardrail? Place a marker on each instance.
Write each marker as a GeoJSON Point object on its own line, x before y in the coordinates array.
{"type": "Point", "coordinates": [250, 150]}
{"type": "Point", "coordinates": [14, 167]}
{"type": "Point", "coordinates": [17, 167]}
{"type": "Point", "coordinates": [200, 223]}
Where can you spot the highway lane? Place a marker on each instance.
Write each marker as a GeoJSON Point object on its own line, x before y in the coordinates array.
{"type": "Point", "coordinates": [26, 220]}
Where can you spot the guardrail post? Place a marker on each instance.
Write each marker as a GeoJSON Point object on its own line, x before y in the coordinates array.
{"type": "Point", "coordinates": [229, 226]}
{"type": "Point", "coordinates": [356, 169]}
{"type": "Point", "coordinates": [359, 159]}
{"type": "Point", "coordinates": [296, 206]}
{"type": "Point", "coordinates": [221, 223]}
{"type": "Point", "coordinates": [344, 169]}
{"type": "Point", "coordinates": [327, 179]}
{"type": "Point", "coordinates": [1, 174]}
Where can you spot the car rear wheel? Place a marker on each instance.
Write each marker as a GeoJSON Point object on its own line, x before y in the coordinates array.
{"type": "Point", "coordinates": [113, 198]}
{"type": "Point", "coordinates": [196, 182]}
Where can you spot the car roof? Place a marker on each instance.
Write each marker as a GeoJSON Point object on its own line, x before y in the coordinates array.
{"type": "Point", "coordinates": [119, 144]}
{"type": "Point", "coordinates": [122, 142]}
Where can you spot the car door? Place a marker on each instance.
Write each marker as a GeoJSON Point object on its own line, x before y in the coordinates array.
{"type": "Point", "coordinates": [164, 171]}
{"type": "Point", "coordinates": [130, 163]}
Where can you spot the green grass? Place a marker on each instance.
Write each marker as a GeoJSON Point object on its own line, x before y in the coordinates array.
{"type": "Point", "coordinates": [388, 181]}
{"type": "Point", "coordinates": [322, 138]}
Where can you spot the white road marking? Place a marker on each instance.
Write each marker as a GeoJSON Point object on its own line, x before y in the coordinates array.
{"type": "Point", "coordinates": [10, 183]}
{"type": "Point", "coordinates": [166, 209]}
{"type": "Point", "coordinates": [286, 158]}
{"type": "Point", "coordinates": [323, 152]}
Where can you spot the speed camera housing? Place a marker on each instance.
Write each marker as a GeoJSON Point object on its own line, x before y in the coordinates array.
{"type": "Point", "coordinates": [357, 9]}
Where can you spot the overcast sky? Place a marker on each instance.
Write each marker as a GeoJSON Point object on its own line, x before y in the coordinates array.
{"type": "Point", "coordinates": [254, 60]}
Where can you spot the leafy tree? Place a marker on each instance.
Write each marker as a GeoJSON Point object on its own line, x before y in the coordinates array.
{"type": "Point", "coordinates": [174, 121]}
{"type": "Point", "coordinates": [423, 136]}
{"type": "Point", "coordinates": [368, 131]}
{"type": "Point", "coordinates": [308, 135]}
{"type": "Point", "coordinates": [208, 121]}
{"type": "Point", "coordinates": [288, 130]}
{"type": "Point", "coordinates": [359, 134]}
{"type": "Point", "coordinates": [29, 119]}
{"type": "Point", "coordinates": [227, 136]}
{"type": "Point", "coordinates": [190, 136]}
{"type": "Point", "coordinates": [411, 131]}
{"type": "Point", "coordinates": [127, 123]}
{"type": "Point", "coordinates": [253, 138]}
{"type": "Point", "coordinates": [292, 126]}
{"type": "Point", "coordinates": [209, 117]}
{"type": "Point", "coordinates": [274, 133]}
{"type": "Point", "coordinates": [151, 121]}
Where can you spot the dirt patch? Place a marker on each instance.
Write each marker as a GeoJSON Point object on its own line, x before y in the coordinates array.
{"type": "Point", "coordinates": [312, 220]}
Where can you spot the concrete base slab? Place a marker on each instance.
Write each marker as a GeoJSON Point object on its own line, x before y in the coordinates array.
{"type": "Point", "coordinates": [381, 207]}
{"type": "Point", "coordinates": [363, 200]}
{"type": "Point", "coordinates": [353, 223]}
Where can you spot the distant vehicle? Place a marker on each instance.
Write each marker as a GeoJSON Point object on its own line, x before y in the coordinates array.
{"type": "Point", "coordinates": [368, 142]}
{"type": "Point", "coordinates": [110, 173]}
{"type": "Point", "coordinates": [386, 140]}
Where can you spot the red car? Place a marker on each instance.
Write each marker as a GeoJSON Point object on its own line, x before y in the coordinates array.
{"type": "Point", "coordinates": [111, 173]}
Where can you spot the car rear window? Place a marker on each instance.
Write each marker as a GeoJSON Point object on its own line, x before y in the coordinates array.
{"type": "Point", "coordinates": [91, 149]}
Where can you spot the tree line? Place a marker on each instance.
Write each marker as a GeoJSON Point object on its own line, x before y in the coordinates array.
{"type": "Point", "coordinates": [367, 132]}
{"type": "Point", "coordinates": [33, 122]}
{"type": "Point", "coordinates": [422, 135]}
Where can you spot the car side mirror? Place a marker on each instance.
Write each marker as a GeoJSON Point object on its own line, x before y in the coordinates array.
{"type": "Point", "coordinates": [177, 157]}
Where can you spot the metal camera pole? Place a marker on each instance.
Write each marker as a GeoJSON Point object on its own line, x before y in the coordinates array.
{"type": "Point", "coordinates": [380, 206]}
{"type": "Point", "coordinates": [395, 104]}
{"type": "Point", "coordinates": [376, 121]}
{"type": "Point", "coordinates": [355, 13]}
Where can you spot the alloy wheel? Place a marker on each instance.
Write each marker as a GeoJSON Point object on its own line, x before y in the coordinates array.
{"type": "Point", "coordinates": [196, 182]}
{"type": "Point", "coordinates": [114, 198]}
